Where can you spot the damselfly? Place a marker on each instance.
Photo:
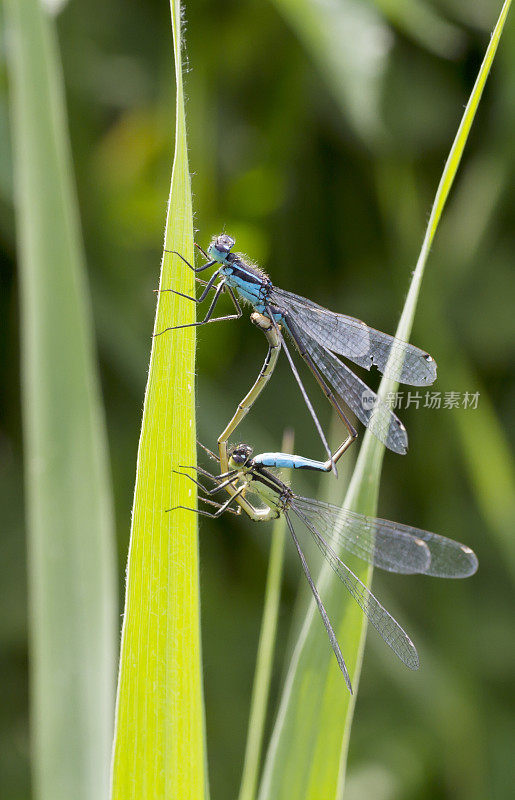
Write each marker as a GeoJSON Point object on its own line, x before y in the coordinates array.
{"type": "Point", "coordinates": [390, 545]}
{"type": "Point", "coordinates": [318, 334]}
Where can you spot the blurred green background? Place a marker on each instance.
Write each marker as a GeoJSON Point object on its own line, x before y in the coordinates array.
{"type": "Point", "coordinates": [317, 140]}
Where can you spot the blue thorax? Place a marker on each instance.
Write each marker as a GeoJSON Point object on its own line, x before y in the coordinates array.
{"type": "Point", "coordinates": [249, 281]}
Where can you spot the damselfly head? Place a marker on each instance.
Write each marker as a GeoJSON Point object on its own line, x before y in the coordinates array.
{"type": "Point", "coordinates": [220, 247]}
{"type": "Point", "coordinates": [240, 453]}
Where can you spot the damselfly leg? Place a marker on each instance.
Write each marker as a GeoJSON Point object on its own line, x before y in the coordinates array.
{"type": "Point", "coordinates": [228, 480]}
{"type": "Point", "coordinates": [235, 511]}
{"type": "Point", "coordinates": [201, 249]}
{"type": "Point", "coordinates": [221, 481]}
{"type": "Point", "coordinates": [210, 262]}
{"type": "Point", "coordinates": [209, 316]}
{"type": "Point", "coordinates": [208, 286]}
{"type": "Point", "coordinates": [222, 508]}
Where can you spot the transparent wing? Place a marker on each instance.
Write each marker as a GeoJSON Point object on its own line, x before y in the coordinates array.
{"type": "Point", "coordinates": [318, 600]}
{"type": "Point", "coordinates": [387, 627]}
{"type": "Point", "coordinates": [354, 339]}
{"type": "Point", "coordinates": [362, 401]}
{"type": "Point", "coordinates": [384, 544]}
{"type": "Point", "coordinates": [390, 545]}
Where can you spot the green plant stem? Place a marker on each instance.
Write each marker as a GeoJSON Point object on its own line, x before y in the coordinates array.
{"type": "Point", "coordinates": [266, 647]}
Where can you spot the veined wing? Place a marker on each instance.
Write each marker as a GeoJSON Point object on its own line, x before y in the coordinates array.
{"type": "Point", "coordinates": [387, 627]}
{"type": "Point", "coordinates": [449, 559]}
{"type": "Point", "coordinates": [364, 403]}
{"type": "Point", "coordinates": [355, 340]}
{"type": "Point", "coordinates": [390, 545]}
{"type": "Point", "coordinates": [318, 600]}
{"type": "Point", "coordinates": [384, 544]}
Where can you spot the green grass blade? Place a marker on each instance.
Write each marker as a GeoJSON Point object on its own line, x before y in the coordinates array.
{"type": "Point", "coordinates": [70, 525]}
{"type": "Point", "coordinates": [266, 647]}
{"type": "Point", "coordinates": [264, 663]}
{"type": "Point", "coordinates": [159, 736]}
{"type": "Point", "coordinates": [422, 22]}
{"type": "Point", "coordinates": [308, 751]}
{"type": "Point", "coordinates": [333, 34]}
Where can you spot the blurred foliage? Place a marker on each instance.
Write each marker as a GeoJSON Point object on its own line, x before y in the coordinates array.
{"type": "Point", "coordinates": [73, 586]}
{"type": "Point", "coordinates": [336, 214]}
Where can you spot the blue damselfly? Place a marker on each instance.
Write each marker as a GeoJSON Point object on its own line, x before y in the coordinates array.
{"type": "Point", "coordinates": [318, 335]}
{"type": "Point", "coordinates": [389, 545]}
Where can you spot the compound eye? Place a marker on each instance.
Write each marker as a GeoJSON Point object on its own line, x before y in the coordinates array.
{"type": "Point", "coordinates": [224, 243]}
{"type": "Point", "coordinates": [241, 453]}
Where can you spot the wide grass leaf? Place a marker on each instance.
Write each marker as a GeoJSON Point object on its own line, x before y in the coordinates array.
{"type": "Point", "coordinates": [68, 494]}
{"type": "Point", "coordinates": [308, 751]}
{"type": "Point", "coordinates": [159, 736]}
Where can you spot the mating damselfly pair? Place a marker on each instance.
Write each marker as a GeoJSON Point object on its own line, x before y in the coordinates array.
{"type": "Point", "coordinates": [251, 483]}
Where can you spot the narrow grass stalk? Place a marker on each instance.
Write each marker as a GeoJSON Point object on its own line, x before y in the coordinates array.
{"type": "Point", "coordinates": [72, 585]}
{"type": "Point", "coordinates": [159, 735]}
{"type": "Point", "coordinates": [308, 751]}
{"type": "Point", "coordinates": [266, 648]}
